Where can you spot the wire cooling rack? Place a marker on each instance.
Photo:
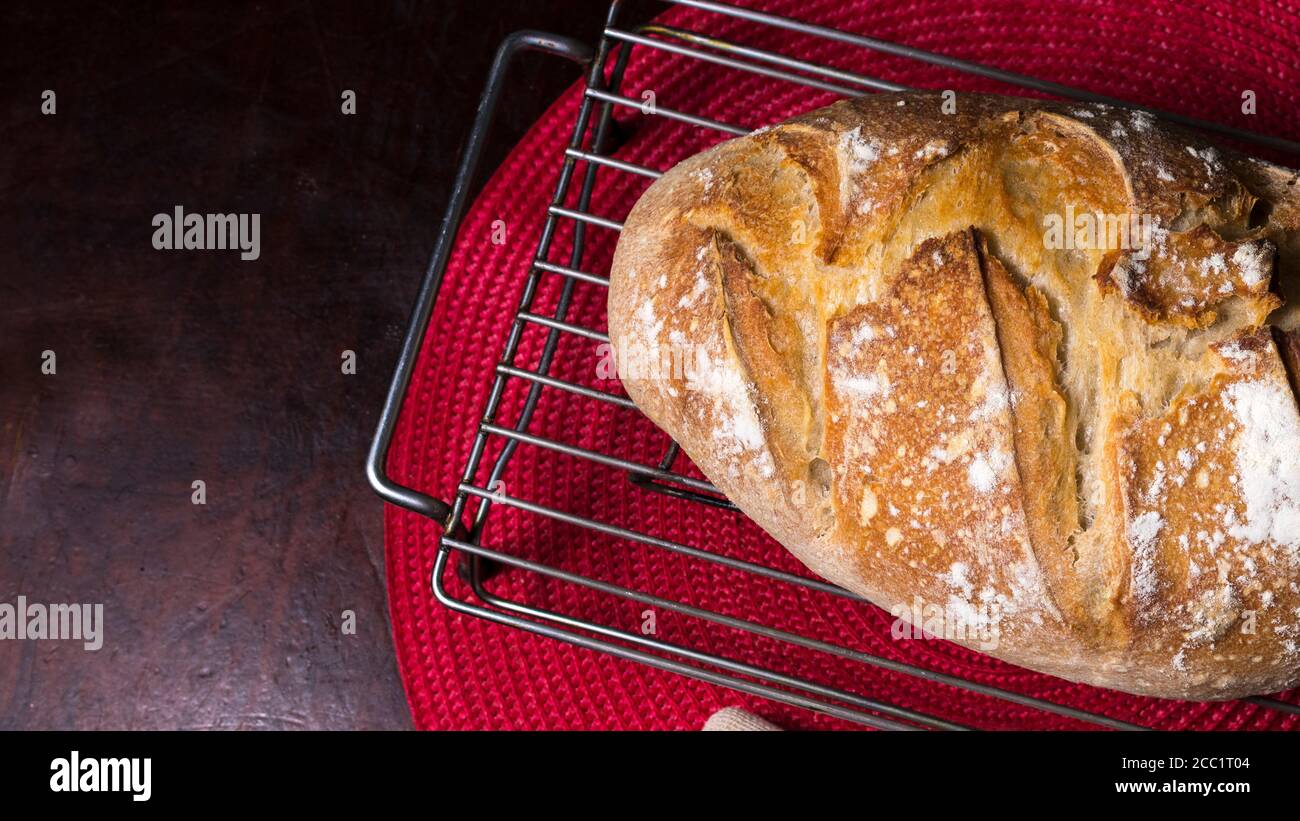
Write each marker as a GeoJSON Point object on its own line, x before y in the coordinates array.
{"type": "Point", "coordinates": [588, 149]}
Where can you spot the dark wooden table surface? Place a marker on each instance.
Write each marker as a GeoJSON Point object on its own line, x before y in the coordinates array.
{"type": "Point", "coordinates": [177, 366]}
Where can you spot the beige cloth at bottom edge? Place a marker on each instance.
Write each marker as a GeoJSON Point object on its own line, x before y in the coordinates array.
{"type": "Point", "coordinates": [734, 718]}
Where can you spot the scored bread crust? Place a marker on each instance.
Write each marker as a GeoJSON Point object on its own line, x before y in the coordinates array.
{"type": "Point", "coordinates": [1082, 457]}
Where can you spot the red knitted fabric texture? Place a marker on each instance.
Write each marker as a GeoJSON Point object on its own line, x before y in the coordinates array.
{"type": "Point", "coordinates": [1194, 57]}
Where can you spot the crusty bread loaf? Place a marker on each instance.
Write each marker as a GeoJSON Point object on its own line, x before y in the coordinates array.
{"type": "Point", "coordinates": [1080, 456]}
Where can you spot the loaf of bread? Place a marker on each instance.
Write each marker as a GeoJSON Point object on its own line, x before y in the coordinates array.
{"type": "Point", "coordinates": [1022, 373]}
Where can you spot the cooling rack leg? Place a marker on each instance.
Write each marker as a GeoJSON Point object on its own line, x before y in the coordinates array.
{"type": "Point", "coordinates": [376, 471]}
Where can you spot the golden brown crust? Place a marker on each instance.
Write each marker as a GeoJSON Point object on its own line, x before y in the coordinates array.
{"type": "Point", "coordinates": [880, 330]}
{"type": "Point", "coordinates": [1030, 342]}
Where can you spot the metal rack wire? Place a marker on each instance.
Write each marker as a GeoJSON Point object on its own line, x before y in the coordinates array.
{"type": "Point", "coordinates": [587, 148]}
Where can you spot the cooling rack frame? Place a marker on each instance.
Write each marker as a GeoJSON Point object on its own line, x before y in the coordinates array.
{"type": "Point", "coordinates": [593, 129]}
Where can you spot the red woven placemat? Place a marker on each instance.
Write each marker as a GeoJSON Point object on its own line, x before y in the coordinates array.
{"type": "Point", "coordinates": [466, 673]}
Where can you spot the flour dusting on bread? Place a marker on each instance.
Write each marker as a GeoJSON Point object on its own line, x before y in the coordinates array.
{"type": "Point", "coordinates": [1267, 464]}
